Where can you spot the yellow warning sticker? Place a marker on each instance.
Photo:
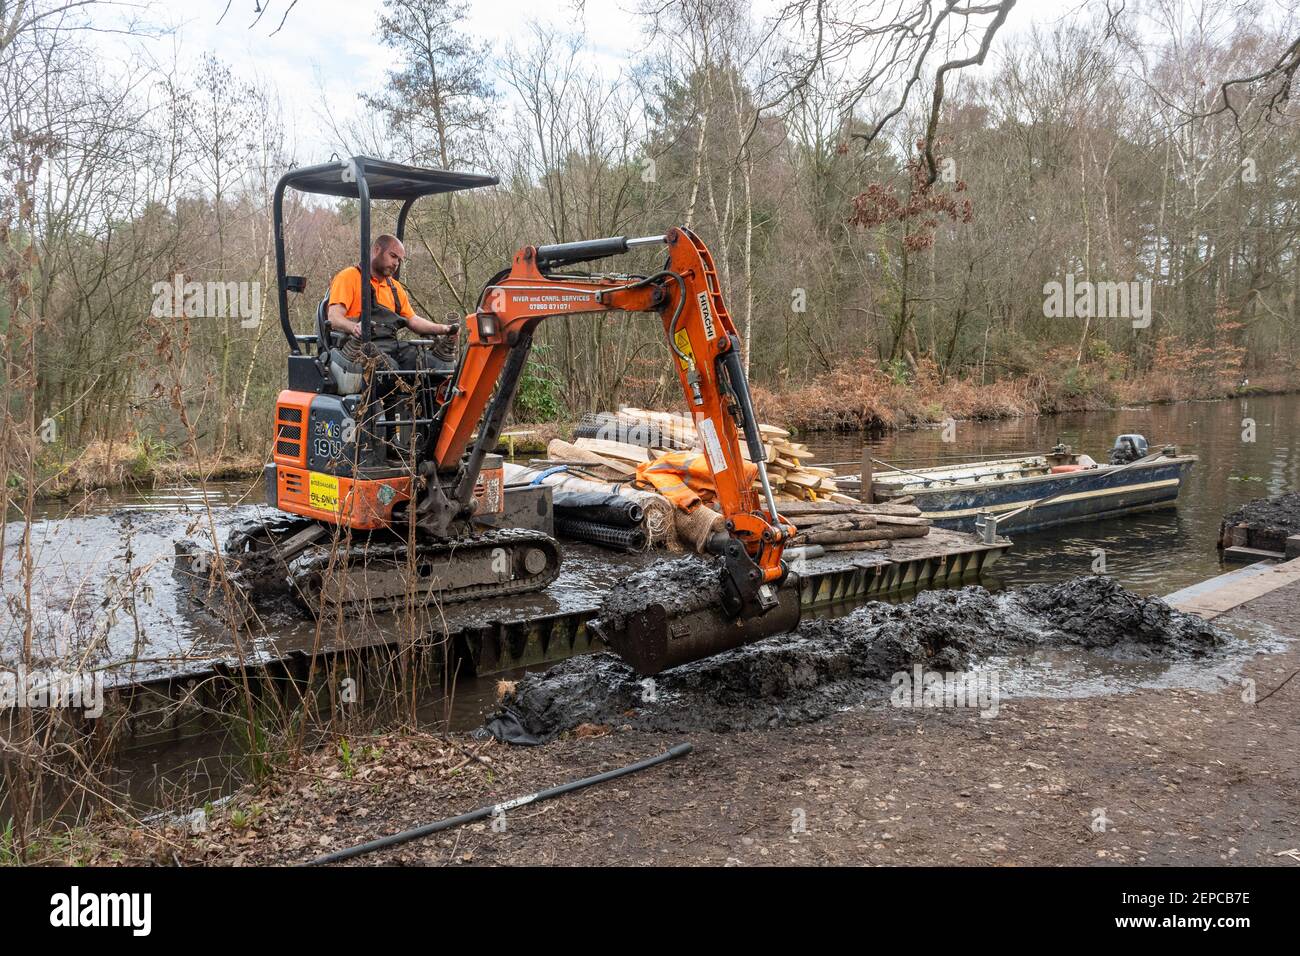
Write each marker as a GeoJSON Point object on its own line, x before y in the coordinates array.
{"type": "Point", "coordinates": [323, 491]}
{"type": "Point", "coordinates": [684, 343]}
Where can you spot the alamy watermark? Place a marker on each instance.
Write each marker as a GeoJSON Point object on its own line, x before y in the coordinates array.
{"type": "Point", "coordinates": [75, 908]}
{"type": "Point", "coordinates": [922, 688]}
{"type": "Point", "coordinates": [53, 689]}
{"type": "Point", "coordinates": [208, 300]}
{"type": "Point", "coordinates": [1084, 299]}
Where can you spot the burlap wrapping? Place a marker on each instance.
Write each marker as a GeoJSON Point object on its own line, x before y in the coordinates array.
{"type": "Point", "coordinates": [695, 527]}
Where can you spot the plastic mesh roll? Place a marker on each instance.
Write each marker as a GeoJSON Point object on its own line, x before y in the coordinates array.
{"type": "Point", "coordinates": [607, 536]}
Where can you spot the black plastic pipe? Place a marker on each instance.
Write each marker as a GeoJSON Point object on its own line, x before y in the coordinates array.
{"type": "Point", "coordinates": [607, 536]}
{"type": "Point", "coordinates": [677, 750]}
{"type": "Point", "coordinates": [617, 510]}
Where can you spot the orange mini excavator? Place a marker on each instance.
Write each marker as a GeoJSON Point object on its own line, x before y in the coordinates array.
{"type": "Point", "coordinates": [408, 488]}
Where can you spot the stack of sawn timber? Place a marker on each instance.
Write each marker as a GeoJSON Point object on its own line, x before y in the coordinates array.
{"type": "Point", "coordinates": [844, 526]}
{"type": "Point", "coordinates": [619, 442]}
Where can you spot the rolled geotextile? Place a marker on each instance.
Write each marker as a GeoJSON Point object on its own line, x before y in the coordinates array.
{"type": "Point", "coordinates": [600, 425]}
{"type": "Point", "coordinates": [611, 509]}
{"type": "Point", "coordinates": [695, 527]}
{"type": "Point", "coordinates": [607, 536]}
{"type": "Point", "coordinates": [660, 513]}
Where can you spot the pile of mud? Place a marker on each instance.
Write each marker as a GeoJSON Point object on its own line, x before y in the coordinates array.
{"type": "Point", "coordinates": [681, 585]}
{"type": "Point", "coordinates": [830, 665]}
{"type": "Point", "coordinates": [1265, 523]}
{"type": "Point", "coordinates": [1097, 614]}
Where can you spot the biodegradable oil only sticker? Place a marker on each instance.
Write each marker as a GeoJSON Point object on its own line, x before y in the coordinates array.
{"type": "Point", "coordinates": [709, 432]}
{"type": "Point", "coordinates": [324, 492]}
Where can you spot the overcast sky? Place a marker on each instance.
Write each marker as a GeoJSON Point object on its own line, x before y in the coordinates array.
{"type": "Point", "coordinates": [331, 44]}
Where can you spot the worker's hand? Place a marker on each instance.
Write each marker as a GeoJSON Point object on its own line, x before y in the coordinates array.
{"type": "Point", "coordinates": [354, 330]}
{"type": "Point", "coordinates": [448, 330]}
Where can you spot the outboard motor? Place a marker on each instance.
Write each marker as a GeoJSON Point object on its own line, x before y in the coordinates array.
{"type": "Point", "coordinates": [1128, 448]}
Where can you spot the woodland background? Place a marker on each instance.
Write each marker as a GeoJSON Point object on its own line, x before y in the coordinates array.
{"type": "Point", "coordinates": [1102, 145]}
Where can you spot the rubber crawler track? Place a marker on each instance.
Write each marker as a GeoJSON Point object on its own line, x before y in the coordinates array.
{"type": "Point", "coordinates": [308, 569]}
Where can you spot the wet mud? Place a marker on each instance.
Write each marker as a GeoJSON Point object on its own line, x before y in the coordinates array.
{"type": "Point", "coordinates": [1268, 522]}
{"type": "Point", "coordinates": [831, 665]}
{"type": "Point", "coordinates": [681, 585]}
{"type": "Point", "coordinates": [104, 590]}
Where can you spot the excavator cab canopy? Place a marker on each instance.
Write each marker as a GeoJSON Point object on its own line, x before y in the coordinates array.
{"type": "Point", "coordinates": [362, 178]}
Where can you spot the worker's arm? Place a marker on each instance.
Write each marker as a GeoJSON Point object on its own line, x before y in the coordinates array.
{"type": "Point", "coordinates": [345, 297]}
{"type": "Point", "coordinates": [422, 326]}
{"type": "Point", "coordinates": [339, 321]}
{"type": "Point", "coordinates": [418, 323]}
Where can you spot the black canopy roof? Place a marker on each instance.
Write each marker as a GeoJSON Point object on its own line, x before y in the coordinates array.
{"type": "Point", "coordinates": [385, 180]}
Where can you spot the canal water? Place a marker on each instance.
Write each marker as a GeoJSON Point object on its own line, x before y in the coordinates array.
{"type": "Point", "coordinates": [1248, 448]}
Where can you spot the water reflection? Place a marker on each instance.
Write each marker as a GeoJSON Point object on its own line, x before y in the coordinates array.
{"type": "Point", "coordinates": [1152, 553]}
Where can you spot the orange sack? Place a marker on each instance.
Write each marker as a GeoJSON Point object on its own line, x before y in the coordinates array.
{"type": "Point", "coordinates": [685, 478]}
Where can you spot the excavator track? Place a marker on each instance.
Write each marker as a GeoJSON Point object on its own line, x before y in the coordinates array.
{"type": "Point", "coordinates": [269, 558]}
{"type": "Point", "coordinates": [376, 576]}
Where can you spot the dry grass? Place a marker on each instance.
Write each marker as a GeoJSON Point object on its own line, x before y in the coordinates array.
{"type": "Point", "coordinates": [136, 462]}
{"type": "Point", "coordinates": [857, 396]}
{"type": "Point", "coordinates": [854, 397]}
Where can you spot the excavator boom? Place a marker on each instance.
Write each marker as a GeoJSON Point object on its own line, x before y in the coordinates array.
{"type": "Point", "coordinates": [706, 352]}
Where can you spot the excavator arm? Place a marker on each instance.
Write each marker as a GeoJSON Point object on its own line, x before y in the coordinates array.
{"type": "Point", "coordinates": [706, 352]}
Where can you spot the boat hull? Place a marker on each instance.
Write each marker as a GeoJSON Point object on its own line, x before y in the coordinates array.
{"type": "Point", "coordinates": [1080, 496]}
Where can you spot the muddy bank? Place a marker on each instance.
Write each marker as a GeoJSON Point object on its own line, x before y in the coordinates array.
{"type": "Point", "coordinates": [136, 465]}
{"type": "Point", "coordinates": [1179, 775]}
{"type": "Point", "coordinates": [828, 666]}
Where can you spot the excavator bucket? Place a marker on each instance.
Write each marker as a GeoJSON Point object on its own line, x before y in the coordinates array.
{"type": "Point", "coordinates": [655, 627]}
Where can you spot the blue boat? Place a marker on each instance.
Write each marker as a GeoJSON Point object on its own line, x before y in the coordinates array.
{"type": "Point", "coordinates": [1031, 492]}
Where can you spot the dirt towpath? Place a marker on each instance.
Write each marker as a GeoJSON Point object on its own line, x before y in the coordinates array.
{"type": "Point", "coordinates": [1149, 777]}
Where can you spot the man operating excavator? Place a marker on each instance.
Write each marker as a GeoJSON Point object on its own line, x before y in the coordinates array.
{"type": "Point", "coordinates": [391, 311]}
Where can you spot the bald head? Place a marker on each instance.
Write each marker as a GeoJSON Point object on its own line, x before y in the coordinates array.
{"type": "Point", "coordinates": [386, 255]}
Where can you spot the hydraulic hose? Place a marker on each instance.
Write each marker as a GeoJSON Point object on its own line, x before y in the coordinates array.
{"type": "Point", "coordinates": [678, 750]}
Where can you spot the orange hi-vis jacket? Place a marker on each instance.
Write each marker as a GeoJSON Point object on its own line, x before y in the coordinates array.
{"type": "Point", "coordinates": [684, 478]}
{"type": "Point", "coordinates": [345, 290]}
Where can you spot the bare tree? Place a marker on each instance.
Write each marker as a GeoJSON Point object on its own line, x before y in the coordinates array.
{"type": "Point", "coordinates": [898, 40]}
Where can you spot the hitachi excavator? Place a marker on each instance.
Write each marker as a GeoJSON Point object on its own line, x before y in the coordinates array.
{"type": "Point", "coordinates": [407, 492]}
